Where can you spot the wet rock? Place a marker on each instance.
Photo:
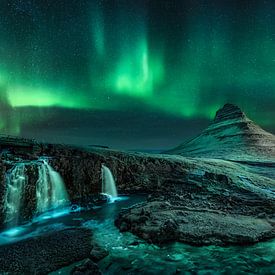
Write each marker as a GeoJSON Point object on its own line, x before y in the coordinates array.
{"type": "Point", "coordinates": [169, 227]}
{"type": "Point", "coordinates": [197, 226]}
{"type": "Point", "coordinates": [189, 180]}
{"type": "Point", "coordinates": [98, 253]}
{"type": "Point", "coordinates": [211, 192]}
{"type": "Point", "coordinates": [262, 215]}
{"type": "Point", "coordinates": [87, 268]}
{"type": "Point", "coordinates": [123, 226]}
{"type": "Point", "coordinates": [134, 243]}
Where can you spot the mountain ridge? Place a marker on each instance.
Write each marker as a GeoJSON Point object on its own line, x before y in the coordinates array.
{"type": "Point", "coordinates": [231, 135]}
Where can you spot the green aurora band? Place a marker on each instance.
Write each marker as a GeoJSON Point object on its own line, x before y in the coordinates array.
{"type": "Point", "coordinates": [102, 56]}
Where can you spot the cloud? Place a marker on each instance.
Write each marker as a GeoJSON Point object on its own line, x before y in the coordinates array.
{"type": "Point", "coordinates": [138, 129]}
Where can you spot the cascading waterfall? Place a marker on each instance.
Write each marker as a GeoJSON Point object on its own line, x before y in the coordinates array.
{"type": "Point", "coordinates": [15, 182]}
{"type": "Point", "coordinates": [108, 182]}
{"type": "Point", "coordinates": [50, 189]}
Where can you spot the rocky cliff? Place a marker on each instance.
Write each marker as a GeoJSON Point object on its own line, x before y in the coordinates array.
{"type": "Point", "coordinates": [197, 192]}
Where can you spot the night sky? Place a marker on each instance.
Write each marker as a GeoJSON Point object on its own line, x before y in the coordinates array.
{"type": "Point", "coordinates": [133, 74]}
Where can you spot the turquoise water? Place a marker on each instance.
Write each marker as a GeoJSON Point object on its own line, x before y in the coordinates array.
{"type": "Point", "coordinates": [131, 255]}
{"type": "Point", "coordinates": [178, 257]}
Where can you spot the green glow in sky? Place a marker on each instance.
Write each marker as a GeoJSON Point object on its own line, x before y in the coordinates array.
{"type": "Point", "coordinates": [20, 96]}
{"type": "Point", "coordinates": [94, 56]}
{"type": "Point", "coordinates": [137, 74]}
{"type": "Point", "coordinates": [97, 29]}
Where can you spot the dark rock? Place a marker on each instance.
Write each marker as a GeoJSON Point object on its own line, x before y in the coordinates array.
{"type": "Point", "coordinates": [169, 227]}
{"type": "Point", "coordinates": [98, 253]}
{"type": "Point", "coordinates": [134, 243]}
{"type": "Point", "coordinates": [185, 178]}
{"type": "Point", "coordinates": [229, 111]}
{"type": "Point", "coordinates": [126, 267]}
{"type": "Point", "coordinates": [87, 268]}
{"type": "Point", "coordinates": [262, 215]}
{"type": "Point", "coordinates": [46, 253]}
{"type": "Point", "coordinates": [201, 194]}
{"type": "Point", "coordinates": [197, 226]}
{"type": "Point", "coordinates": [123, 227]}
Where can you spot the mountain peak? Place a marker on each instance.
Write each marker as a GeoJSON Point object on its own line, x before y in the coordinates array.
{"type": "Point", "coordinates": [232, 136]}
{"type": "Point", "coordinates": [229, 111]}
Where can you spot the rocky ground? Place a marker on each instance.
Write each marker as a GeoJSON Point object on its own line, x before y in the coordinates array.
{"type": "Point", "coordinates": [46, 253]}
{"type": "Point", "coordinates": [194, 199]}
{"type": "Point", "coordinates": [223, 189]}
{"type": "Point", "coordinates": [160, 221]}
{"type": "Point", "coordinates": [227, 195]}
{"type": "Point", "coordinates": [218, 202]}
{"type": "Point", "coordinates": [49, 252]}
{"type": "Point", "coordinates": [218, 180]}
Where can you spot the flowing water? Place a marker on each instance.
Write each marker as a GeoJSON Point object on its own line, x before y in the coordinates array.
{"type": "Point", "coordinates": [131, 255]}
{"type": "Point", "coordinates": [50, 189]}
{"type": "Point", "coordinates": [128, 254]}
{"type": "Point", "coordinates": [108, 182]}
{"type": "Point", "coordinates": [15, 183]}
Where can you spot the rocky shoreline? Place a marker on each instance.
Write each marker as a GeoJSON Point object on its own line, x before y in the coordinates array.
{"type": "Point", "coordinates": [43, 254]}
{"type": "Point", "coordinates": [161, 221]}
{"type": "Point", "coordinates": [227, 195]}
{"type": "Point", "coordinates": [197, 200]}
{"type": "Point", "coordinates": [223, 182]}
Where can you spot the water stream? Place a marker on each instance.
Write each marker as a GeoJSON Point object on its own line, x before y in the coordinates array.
{"type": "Point", "coordinates": [50, 189]}
{"type": "Point", "coordinates": [15, 184]}
{"type": "Point", "coordinates": [127, 253]}
{"type": "Point", "coordinates": [131, 255]}
{"type": "Point", "coordinates": [108, 182]}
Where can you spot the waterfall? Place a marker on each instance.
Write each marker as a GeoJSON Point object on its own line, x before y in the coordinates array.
{"type": "Point", "coordinates": [50, 189]}
{"type": "Point", "coordinates": [108, 182]}
{"type": "Point", "coordinates": [15, 182]}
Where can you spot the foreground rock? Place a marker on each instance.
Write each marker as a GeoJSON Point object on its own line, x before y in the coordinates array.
{"type": "Point", "coordinates": [47, 253]}
{"type": "Point", "coordinates": [138, 172]}
{"type": "Point", "coordinates": [217, 203]}
{"type": "Point", "coordinates": [87, 268]}
{"type": "Point", "coordinates": [212, 193]}
{"type": "Point", "coordinates": [224, 192]}
{"type": "Point", "coordinates": [163, 221]}
{"type": "Point", "coordinates": [98, 253]}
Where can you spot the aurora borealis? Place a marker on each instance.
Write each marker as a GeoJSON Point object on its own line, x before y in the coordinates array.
{"type": "Point", "coordinates": [133, 74]}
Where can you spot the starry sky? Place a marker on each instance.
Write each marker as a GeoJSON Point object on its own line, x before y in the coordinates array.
{"type": "Point", "coordinates": [133, 74]}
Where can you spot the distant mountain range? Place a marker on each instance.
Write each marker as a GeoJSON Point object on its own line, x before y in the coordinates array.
{"type": "Point", "coordinates": [232, 135]}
